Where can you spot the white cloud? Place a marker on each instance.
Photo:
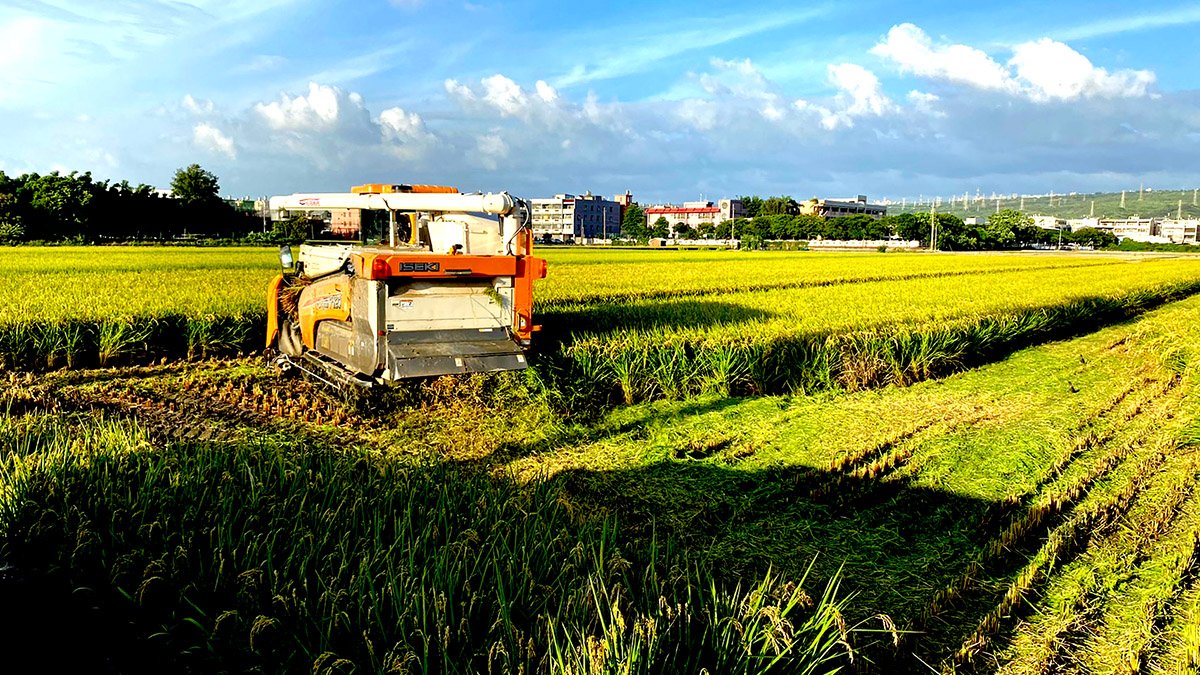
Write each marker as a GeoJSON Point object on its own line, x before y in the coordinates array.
{"type": "Point", "coordinates": [198, 107]}
{"type": "Point", "coordinates": [859, 94]}
{"type": "Point", "coordinates": [743, 80]}
{"type": "Point", "coordinates": [506, 95]}
{"type": "Point", "coordinates": [925, 102]}
{"type": "Point", "coordinates": [492, 149]}
{"type": "Point", "coordinates": [911, 49]}
{"type": "Point", "coordinates": [1055, 71]}
{"type": "Point", "coordinates": [212, 139]}
{"type": "Point", "coordinates": [1040, 70]}
{"type": "Point", "coordinates": [546, 92]}
{"type": "Point", "coordinates": [321, 109]}
{"type": "Point", "coordinates": [404, 133]}
{"type": "Point", "coordinates": [860, 89]}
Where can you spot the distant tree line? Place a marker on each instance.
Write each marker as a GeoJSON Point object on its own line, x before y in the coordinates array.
{"type": "Point", "coordinates": [779, 218]}
{"type": "Point", "coordinates": [73, 207]}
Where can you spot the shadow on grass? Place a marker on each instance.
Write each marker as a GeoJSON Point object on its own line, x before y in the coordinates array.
{"type": "Point", "coordinates": [897, 545]}
{"type": "Point", "coordinates": [189, 531]}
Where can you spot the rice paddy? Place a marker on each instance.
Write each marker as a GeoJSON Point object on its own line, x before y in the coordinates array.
{"type": "Point", "coordinates": [735, 462]}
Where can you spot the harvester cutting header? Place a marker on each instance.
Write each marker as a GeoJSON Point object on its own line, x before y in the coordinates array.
{"type": "Point", "coordinates": [429, 282]}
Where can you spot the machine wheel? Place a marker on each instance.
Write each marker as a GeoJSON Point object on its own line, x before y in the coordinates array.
{"type": "Point", "coordinates": [290, 342]}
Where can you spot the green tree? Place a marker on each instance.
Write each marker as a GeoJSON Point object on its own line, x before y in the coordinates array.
{"type": "Point", "coordinates": [780, 206]}
{"type": "Point", "coordinates": [59, 203]}
{"type": "Point", "coordinates": [732, 229]}
{"type": "Point", "coordinates": [1008, 229]}
{"type": "Point", "coordinates": [808, 225]}
{"type": "Point", "coordinates": [1090, 236]}
{"type": "Point", "coordinates": [684, 231]}
{"type": "Point", "coordinates": [752, 204]}
{"type": "Point", "coordinates": [858, 226]}
{"type": "Point", "coordinates": [706, 230]}
{"type": "Point", "coordinates": [633, 225]}
{"type": "Point", "coordinates": [12, 230]}
{"type": "Point", "coordinates": [954, 234]}
{"type": "Point", "coordinates": [661, 228]}
{"type": "Point", "coordinates": [291, 231]}
{"type": "Point", "coordinates": [909, 226]}
{"type": "Point", "coordinates": [193, 185]}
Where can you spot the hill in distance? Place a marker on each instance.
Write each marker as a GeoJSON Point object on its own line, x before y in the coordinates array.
{"type": "Point", "coordinates": [1149, 204]}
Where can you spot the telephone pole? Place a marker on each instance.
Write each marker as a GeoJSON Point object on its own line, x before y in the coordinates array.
{"type": "Point", "coordinates": [932, 227]}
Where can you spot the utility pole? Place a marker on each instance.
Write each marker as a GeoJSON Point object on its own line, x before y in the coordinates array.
{"type": "Point", "coordinates": [932, 227]}
{"type": "Point", "coordinates": [1141, 190]}
{"type": "Point", "coordinates": [1092, 213]}
{"type": "Point", "coordinates": [1179, 214]}
{"type": "Point", "coordinates": [1122, 199]}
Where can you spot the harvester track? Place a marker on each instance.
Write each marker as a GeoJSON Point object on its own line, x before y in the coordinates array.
{"type": "Point", "coordinates": [224, 404]}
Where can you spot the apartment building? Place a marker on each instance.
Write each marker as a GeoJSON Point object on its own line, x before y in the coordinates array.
{"type": "Point", "coordinates": [575, 218]}
{"type": "Point", "coordinates": [1179, 231]}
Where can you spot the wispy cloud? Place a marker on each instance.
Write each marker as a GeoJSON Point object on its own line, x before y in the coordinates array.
{"type": "Point", "coordinates": [645, 47]}
{"type": "Point", "coordinates": [362, 65]}
{"type": "Point", "coordinates": [1181, 16]}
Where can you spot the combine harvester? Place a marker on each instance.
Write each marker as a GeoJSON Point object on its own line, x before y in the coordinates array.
{"type": "Point", "coordinates": [434, 283]}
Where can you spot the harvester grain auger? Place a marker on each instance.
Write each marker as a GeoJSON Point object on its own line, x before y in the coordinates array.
{"type": "Point", "coordinates": [424, 281]}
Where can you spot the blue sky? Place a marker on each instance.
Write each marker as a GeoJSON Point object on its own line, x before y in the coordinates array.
{"type": "Point", "coordinates": [671, 100]}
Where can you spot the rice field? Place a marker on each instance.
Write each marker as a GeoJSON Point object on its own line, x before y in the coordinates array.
{"type": "Point", "coordinates": [721, 462]}
{"type": "Point", "coordinates": [688, 312]}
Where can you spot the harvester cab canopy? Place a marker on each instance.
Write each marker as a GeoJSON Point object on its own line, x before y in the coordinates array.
{"type": "Point", "coordinates": [414, 281]}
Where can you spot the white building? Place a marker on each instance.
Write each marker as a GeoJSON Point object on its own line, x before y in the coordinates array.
{"type": "Point", "coordinates": [693, 214]}
{"type": "Point", "coordinates": [833, 208]}
{"type": "Point", "coordinates": [1049, 222]}
{"type": "Point", "coordinates": [1081, 223]}
{"type": "Point", "coordinates": [1135, 229]}
{"type": "Point", "coordinates": [1179, 231]}
{"type": "Point", "coordinates": [571, 218]}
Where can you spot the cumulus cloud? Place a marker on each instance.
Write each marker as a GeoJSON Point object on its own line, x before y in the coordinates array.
{"type": "Point", "coordinates": [503, 95]}
{"type": "Point", "coordinates": [731, 123]}
{"type": "Point", "coordinates": [492, 150]}
{"type": "Point", "coordinates": [404, 133]}
{"type": "Point", "coordinates": [198, 107]}
{"type": "Point", "coordinates": [742, 80]}
{"type": "Point", "coordinates": [912, 50]}
{"type": "Point", "coordinates": [321, 109]}
{"type": "Point", "coordinates": [1040, 70]}
{"type": "Point", "coordinates": [925, 102]}
{"type": "Point", "coordinates": [1055, 71]}
{"type": "Point", "coordinates": [212, 139]}
{"type": "Point", "coordinates": [860, 89]}
{"type": "Point", "coordinates": [859, 94]}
